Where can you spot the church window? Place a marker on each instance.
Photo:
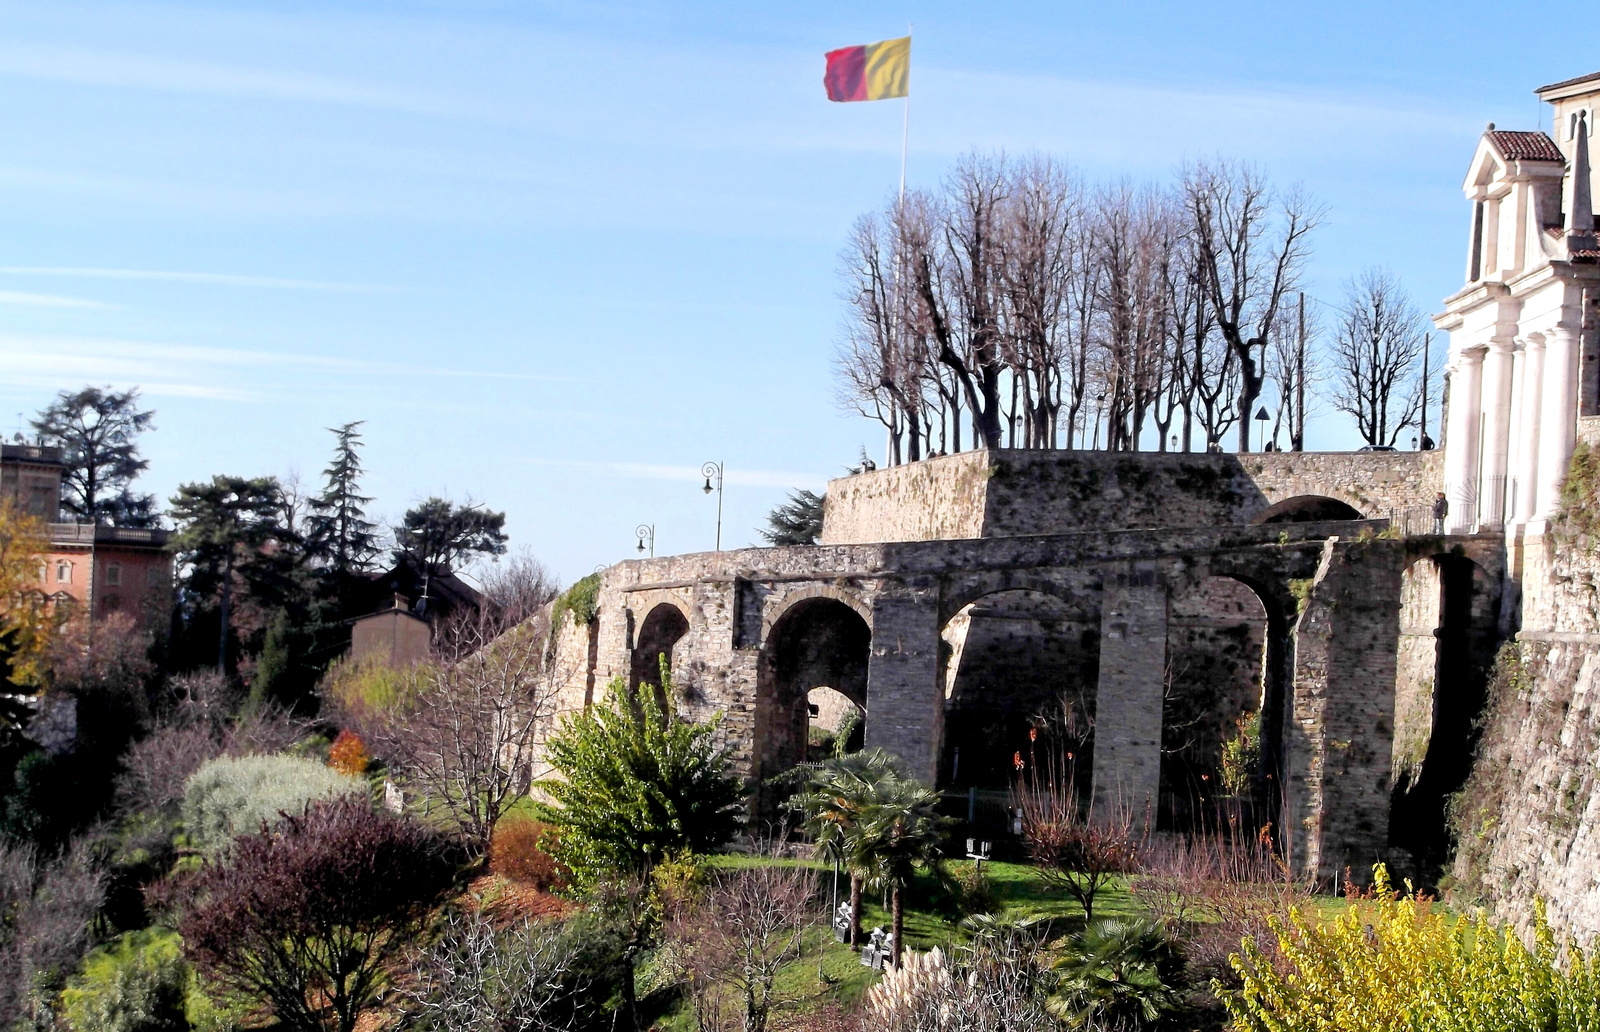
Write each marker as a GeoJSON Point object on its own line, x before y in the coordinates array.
{"type": "Point", "coordinates": [114, 574]}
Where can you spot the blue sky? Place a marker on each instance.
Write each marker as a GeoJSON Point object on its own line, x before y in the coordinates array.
{"type": "Point", "coordinates": [557, 254]}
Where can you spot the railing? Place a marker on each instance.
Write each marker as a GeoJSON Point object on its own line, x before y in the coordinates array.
{"type": "Point", "coordinates": [1415, 521]}
{"type": "Point", "coordinates": [1492, 503]}
{"type": "Point", "coordinates": [91, 533]}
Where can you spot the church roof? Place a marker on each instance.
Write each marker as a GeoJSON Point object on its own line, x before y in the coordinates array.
{"type": "Point", "coordinates": [1519, 146]}
{"type": "Point", "coordinates": [1591, 77]}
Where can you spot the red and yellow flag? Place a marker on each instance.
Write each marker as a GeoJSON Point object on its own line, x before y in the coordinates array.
{"type": "Point", "coordinates": [877, 71]}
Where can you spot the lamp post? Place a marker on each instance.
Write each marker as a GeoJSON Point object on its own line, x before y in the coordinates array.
{"type": "Point", "coordinates": [646, 533]}
{"type": "Point", "coordinates": [1262, 417]}
{"type": "Point", "coordinates": [709, 470]}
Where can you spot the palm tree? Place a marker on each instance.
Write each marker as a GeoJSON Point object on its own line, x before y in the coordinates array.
{"type": "Point", "coordinates": [836, 795]}
{"type": "Point", "coordinates": [898, 831]}
{"type": "Point", "coordinates": [1117, 973]}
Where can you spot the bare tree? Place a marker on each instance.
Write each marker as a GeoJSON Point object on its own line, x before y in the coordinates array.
{"type": "Point", "coordinates": [1295, 364]}
{"type": "Point", "coordinates": [466, 741]}
{"type": "Point", "coordinates": [958, 280]}
{"type": "Point", "coordinates": [529, 977]}
{"type": "Point", "coordinates": [519, 587]}
{"type": "Point", "coordinates": [1250, 245]}
{"type": "Point", "coordinates": [45, 914]}
{"type": "Point", "coordinates": [1037, 262]}
{"type": "Point", "coordinates": [1376, 348]}
{"type": "Point", "coordinates": [747, 927]}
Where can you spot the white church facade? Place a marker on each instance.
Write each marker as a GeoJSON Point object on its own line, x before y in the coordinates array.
{"type": "Point", "coordinates": [1524, 359]}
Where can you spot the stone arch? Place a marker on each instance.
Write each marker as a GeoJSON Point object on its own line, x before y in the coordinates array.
{"type": "Point", "coordinates": [776, 609]}
{"type": "Point", "coordinates": [1449, 616]}
{"type": "Point", "coordinates": [816, 641]}
{"type": "Point", "coordinates": [1219, 634]}
{"type": "Point", "coordinates": [1308, 509]}
{"type": "Point", "coordinates": [663, 626]}
{"type": "Point", "coordinates": [1019, 670]}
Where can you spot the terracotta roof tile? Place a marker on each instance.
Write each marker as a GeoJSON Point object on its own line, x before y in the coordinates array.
{"type": "Point", "coordinates": [1517, 146]}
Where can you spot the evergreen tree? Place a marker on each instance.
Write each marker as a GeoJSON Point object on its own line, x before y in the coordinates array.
{"type": "Point", "coordinates": [438, 534]}
{"type": "Point", "coordinates": [99, 430]}
{"type": "Point", "coordinates": [339, 536]}
{"type": "Point", "coordinates": [232, 527]}
{"type": "Point", "coordinates": [635, 785]}
{"type": "Point", "coordinates": [797, 521]}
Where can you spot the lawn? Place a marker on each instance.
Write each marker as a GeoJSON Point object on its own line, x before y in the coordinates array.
{"type": "Point", "coordinates": [933, 918]}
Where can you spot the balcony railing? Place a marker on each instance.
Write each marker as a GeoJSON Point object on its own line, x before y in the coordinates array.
{"type": "Point", "coordinates": [100, 534]}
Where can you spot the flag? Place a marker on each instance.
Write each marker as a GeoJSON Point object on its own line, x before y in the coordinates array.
{"type": "Point", "coordinates": [877, 71]}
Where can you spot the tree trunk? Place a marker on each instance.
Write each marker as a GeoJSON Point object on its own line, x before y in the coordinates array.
{"type": "Point", "coordinates": [222, 633]}
{"type": "Point", "coordinates": [898, 925]}
{"type": "Point", "coordinates": [855, 911]}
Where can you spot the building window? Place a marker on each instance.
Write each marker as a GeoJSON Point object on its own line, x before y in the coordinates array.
{"type": "Point", "coordinates": [63, 572]}
{"type": "Point", "coordinates": [152, 576]}
{"type": "Point", "coordinates": [114, 574]}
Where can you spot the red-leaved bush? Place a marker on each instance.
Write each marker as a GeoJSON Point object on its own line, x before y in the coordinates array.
{"type": "Point", "coordinates": [517, 852]}
{"type": "Point", "coordinates": [308, 915]}
{"type": "Point", "coordinates": [348, 754]}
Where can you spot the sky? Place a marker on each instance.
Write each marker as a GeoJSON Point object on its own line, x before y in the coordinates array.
{"type": "Point", "coordinates": [558, 255]}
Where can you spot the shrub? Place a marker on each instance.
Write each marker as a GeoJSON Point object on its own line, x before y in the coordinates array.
{"type": "Point", "coordinates": [137, 983]}
{"type": "Point", "coordinates": [1392, 963]}
{"type": "Point", "coordinates": [348, 754]}
{"type": "Point", "coordinates": [518, 852]}
{"type": "Point", "coordinates": [310, 915]}
{"type": "Point", "coordinates": [1117, 973]}
{"type": "Point", "coordinates": [636, 785]}
{"type": "Point", "coordinates": [230, 796]}
{"type": "Point", "coordinates": [45, 915]}
{"type": "Point", "coordinates": [367, 690]}
{"type": "Point", "coordinates": [993, 984]}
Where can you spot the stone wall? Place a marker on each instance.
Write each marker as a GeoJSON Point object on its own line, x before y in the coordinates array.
{"type": "Point", "coordinates": [1340, 728]}
{"type": "Point", "coordinates": [1009, 493]}
{"type": "Point", "coordinates": [1531, 828]}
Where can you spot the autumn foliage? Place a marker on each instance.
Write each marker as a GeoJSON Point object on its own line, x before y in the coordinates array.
{"type": "Point", "coordinates": [349, 755]}
{"type": "Point", "coordinates": [517, 852]}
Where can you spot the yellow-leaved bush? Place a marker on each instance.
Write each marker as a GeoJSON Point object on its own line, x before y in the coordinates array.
{"type": "Point", "coordinates": [1393, 963]}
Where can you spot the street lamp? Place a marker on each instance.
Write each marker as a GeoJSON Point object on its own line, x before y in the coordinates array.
{"type": "Point", "coordinates": [709, 470]}
{"type": "Point", "coordinates": [646, 533]}
{"type": "Point", "coordinates": [1262, 417]}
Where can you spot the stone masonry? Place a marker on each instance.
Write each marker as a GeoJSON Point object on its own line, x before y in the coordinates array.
{"type": "Point", "coordinates": [1091, 545]}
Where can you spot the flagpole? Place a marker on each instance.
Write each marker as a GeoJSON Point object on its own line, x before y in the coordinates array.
{"type": "Point", "coordinates": [905, 134]}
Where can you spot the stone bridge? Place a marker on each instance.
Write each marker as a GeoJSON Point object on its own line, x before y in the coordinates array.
{"type": "Point", "coordinates": [1134, 653]}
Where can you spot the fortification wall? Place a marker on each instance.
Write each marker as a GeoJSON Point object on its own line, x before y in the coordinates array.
{"type": "Point", "coordinates": [1530, 824]}
{"type": "Point", "coordinates": [1010, 493]}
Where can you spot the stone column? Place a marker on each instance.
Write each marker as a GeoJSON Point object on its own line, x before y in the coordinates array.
{"type": "Point", "coordinates": [1496, 405]}
{"type": "Point", "coordinates": [1128, 698]}
{"type": "Point", "coordinates": [1461, 440]}
{"type": "Point", "coordinates": [1558, 418]}
{"type": "Point", "coordinates": [1526, 470]}
{"type": "Point", "coordinates": [905, 700]}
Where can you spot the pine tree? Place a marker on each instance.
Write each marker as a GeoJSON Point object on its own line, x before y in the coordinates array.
{"type": "Point", "coordinates": [797, 521]}
{"type": "Point", "coordinates": [339, 535]}
{"type": "Point", "coordinates": [99, 429]}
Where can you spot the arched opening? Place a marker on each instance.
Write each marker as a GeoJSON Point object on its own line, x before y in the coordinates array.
{"type": "Point", "coordinates": [819, 643]}
{"type": "Point", "coordinates": [1020, 673]}
{"type": "Point", "coordinates": [835, 723]}
{"type": "Point", "coordinates": [1217, 718]}
{"type": "Point", "coordinates": [663, 626]}
{"type": "Point", "coordinates": [1309, 509]}
{"type": "Point", "coordinates": [1448, 636]}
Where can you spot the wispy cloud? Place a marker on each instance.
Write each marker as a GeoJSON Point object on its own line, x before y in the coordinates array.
{"type": "Point", "coordinates": [14, 297]}
{"type": "Point", "coordinates": [86, 67]}
{"type": "Point", "coordinates": [236, 374]}
{"type": "Point", "coordinates": [217, 278]}
{"type": "Point", "coordinates": [650, 471]}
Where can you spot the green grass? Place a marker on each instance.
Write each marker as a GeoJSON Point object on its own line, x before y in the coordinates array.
{"type": "Point", "coordinates": [933, 918]}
